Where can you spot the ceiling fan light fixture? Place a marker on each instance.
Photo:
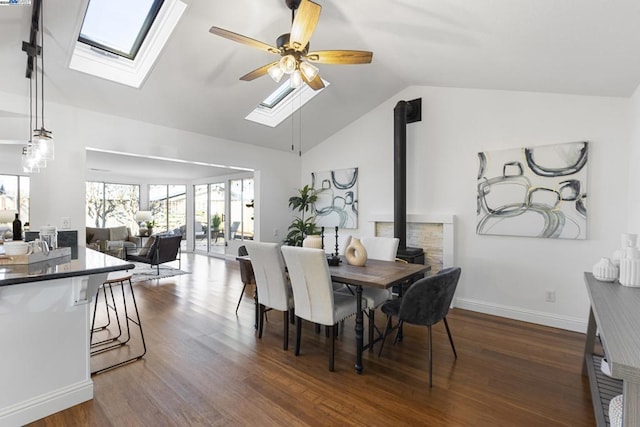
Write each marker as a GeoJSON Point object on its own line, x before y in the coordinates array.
{"type": "Point", "coordinates": [276, 72]}
{"type": "Point", "coordinates": [309, 70]}
{"type": "Point", "coordinates": [288, 64]}
{"type": "Point", "coordinates": [295, 81]}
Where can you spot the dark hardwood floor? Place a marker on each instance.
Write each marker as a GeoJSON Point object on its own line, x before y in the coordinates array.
{"type": "Point", "coordinates": [205, 366]}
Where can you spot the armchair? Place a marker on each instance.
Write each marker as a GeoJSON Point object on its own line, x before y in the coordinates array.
{"type": "Point", "coordinates": [163, 249]}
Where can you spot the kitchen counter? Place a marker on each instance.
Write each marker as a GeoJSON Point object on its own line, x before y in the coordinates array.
{"type": "Point", "coordinates": [88, 262]}
{"type": "Point", "coordinates": [44, 333]}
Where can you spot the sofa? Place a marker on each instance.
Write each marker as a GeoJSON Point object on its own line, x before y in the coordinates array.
{"type": "Point", "coordinates": [113, 237]}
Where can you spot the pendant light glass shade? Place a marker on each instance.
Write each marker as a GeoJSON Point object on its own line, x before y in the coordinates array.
{"type": "Point", "coordinates": [276, 72]}
{"type": "Point", "coordinates": [309, 70]}
{"type": "Point", "coordinates": [43, 144]}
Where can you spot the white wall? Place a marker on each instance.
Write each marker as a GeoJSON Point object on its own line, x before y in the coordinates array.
{"type": "Point", "coordinates": [59, 191]}
{"type": "Point", "coordinates": [501, 275]}
{"type": "Point", "coordinates": [633, 223]}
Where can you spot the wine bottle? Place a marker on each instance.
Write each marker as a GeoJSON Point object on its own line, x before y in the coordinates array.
{"type": "Point", "coordinates": [17, 228]}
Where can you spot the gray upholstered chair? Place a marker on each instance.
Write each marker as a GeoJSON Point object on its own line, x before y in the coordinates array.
{"type": "Point", "coordinates": [313, 293]}
{"type": "Point", "coordinates": [426, 302]}
{"type": "Point", "coordinates": [246, 274]}
{"type": "Point", "coordinates": [274, 290]}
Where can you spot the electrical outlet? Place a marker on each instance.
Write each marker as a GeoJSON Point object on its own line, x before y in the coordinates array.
{"type": "Point", "coordinates": [551, 296]}
{"type": "Point", "coordinates": [66, 222]}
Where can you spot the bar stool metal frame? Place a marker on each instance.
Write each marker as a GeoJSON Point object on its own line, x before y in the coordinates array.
{"type": "Point", "coordinates": [100, 346]}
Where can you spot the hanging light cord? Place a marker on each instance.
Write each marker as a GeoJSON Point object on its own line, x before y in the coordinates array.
{"type": "Point", "coordinates": [42, 55]}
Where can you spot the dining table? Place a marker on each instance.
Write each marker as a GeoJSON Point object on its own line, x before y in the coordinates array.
{"type": "Point", "coordinates": [375, 274]}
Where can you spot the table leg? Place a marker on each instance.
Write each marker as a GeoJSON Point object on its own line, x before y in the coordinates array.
{"type": "Point", "coordinates": [590, 341]}
{"type": "Point", "coordinates": [359, 330]}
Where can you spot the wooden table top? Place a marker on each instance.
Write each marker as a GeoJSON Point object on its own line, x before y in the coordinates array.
{"type": "Point", "coordinates": [375, 273]}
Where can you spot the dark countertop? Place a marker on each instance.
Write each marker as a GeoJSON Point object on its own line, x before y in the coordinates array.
{"type": "Point", "coordinates": [87, 262]}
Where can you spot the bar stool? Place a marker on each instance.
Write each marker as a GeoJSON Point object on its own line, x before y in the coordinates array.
{"type": "Point", "coordinates": [112, 343]}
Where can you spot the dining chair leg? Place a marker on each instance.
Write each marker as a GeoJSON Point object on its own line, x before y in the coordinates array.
{"type": "Point", "coordinates": [453, 347]}
{"type": "Point", "coordinates": [430, 357]}
{"type": "Point", "coordinates": [298, 333]}
{"type": "Point", "coordinates": [333, 347]}
{"type": "Point", "coordinates": [240, 299]}
{"type": "Point", "coordinates": [285, 344]}
{"type": "Point", "coordinates": [384, 334]}
{"type": "Point", "coordinates": [261, 321]}
{"type": "Point", "coordinates": [317, 328]}
{"type": "Point", "coordinates": [257, 310]}
{"type": "Point", "coordinates": [292, 316]}
{"type": "Point", "coordinates": [398, 332]}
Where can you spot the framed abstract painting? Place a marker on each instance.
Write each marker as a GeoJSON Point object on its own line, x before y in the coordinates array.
{"type": "Point", "coordinates": [337, 204]}
{"type": "Point", "coordinates": [533, 191]}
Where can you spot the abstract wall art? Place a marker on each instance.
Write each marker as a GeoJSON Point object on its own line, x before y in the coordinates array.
{"type": "Point", "coordinates": [533, 191]}
{"type": "Point", "coordinates": [337, 204]}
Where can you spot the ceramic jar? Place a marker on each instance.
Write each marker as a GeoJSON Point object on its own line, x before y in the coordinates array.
{"type": "Point", "coordinates": [605, 270]}
{"type": "Point", "coordinates": [312, 241]}
{"type": "Point", "coordinates": [626, 240]}
{"type": "Point", "coordinates": [356, 254]}
{"type": "Point", "coordinates": [630, 267]}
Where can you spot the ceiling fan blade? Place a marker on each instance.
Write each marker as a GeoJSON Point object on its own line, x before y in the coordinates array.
{"type": "Point", "coordinates": [304, 24]}
{"type": "Point", "coordinates": [315, 84]}
{"type": "Point", "coordinates": [243, 39]}
{"type": "Point", "coordinates": [340, 56]}
{"type": "Point", "coordinates": [258, 72]}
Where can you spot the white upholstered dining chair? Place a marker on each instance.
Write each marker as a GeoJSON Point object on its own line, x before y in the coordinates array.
{"type": "Point", "coordinates": [313, 293]}
{"type": "Point", "coordinates": [274, 290]}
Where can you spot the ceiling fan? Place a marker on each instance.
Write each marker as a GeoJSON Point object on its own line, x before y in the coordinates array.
{"type": "Point", "coordinates": [293, 47]}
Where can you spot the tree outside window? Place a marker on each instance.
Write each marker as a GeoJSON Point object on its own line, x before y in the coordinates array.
{"type": "Point", "coordinates": [112, 205]}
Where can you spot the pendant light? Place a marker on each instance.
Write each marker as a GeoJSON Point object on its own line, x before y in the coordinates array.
{"type": "Point", "coordinates": [42, 139]}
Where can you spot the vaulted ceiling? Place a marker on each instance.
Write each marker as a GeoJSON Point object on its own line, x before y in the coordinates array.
{"type": "Point", "coordinates": [588, 47]}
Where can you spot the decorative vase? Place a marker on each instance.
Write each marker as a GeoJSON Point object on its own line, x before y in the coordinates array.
{"type": "Point", "coordinates": [626, 240]}
{"type": "Point", "coordinates": [356, 254]}
{"type": "Point", "coordinates": [605, 270]}
{"type": "Point", "coordinates": [312, 241]}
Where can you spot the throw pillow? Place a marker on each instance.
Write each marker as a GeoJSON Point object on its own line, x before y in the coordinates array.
{"type": "Point", "coordinates": [118, 233]}
{"type": "Point", "coordinates": [145, 249]}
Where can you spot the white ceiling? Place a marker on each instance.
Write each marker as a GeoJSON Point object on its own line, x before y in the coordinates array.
{"type": "Point", "coordinates": [589, 47]}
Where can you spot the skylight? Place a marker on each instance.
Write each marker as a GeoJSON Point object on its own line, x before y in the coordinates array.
{"type": "Point", "coordinates": [282, 103]}
{"type": "Point", "coordinates": [121, 39]}
{"type": "Point", "coordinates": [118, 26]}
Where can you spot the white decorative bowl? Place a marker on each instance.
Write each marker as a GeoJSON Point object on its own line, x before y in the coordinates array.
{"type": "Point", "coordinates": [16, 248]}
{"type": "Point", "coordinates": [605, 270]}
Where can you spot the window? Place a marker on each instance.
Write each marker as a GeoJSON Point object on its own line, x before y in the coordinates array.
{"type": "Point", "coordinates": [168, 204]}
{"type": "Point", "coordinates": [133, 18]}
{"type": "Point", "coordinates": [120, 40]}
{"type": "Point", "coordinates": [282, 103]}
{"type": "Point", "coordinates": [112, 205]}
{"type": "Point", "coordinates": [14, 195]}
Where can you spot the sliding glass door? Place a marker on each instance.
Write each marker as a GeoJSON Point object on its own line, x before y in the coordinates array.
{"type": "Point", "coordinates": [223, 211]}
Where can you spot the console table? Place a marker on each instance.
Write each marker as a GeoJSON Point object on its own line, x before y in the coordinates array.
{"type": "Point", "coordinates": [615, 313]}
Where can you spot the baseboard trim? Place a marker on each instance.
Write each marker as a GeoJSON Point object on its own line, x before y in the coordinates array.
{"type": "Point", "coordinates": [46, 404]}
{"type": "Point", "coordinates": [531, 316]}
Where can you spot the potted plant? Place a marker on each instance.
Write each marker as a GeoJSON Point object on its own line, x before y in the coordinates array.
{"type": "Point", "coordinates": [216, 220]}
{"type": "Point", "coordinates": [150, 225]}
{"type": "Point", "coordinates": [302, 227]}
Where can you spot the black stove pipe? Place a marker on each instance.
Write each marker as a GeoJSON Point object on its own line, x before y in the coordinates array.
{"type": "Point", "coordinates": [399, 173]}
{"type": "Point", "coordinates": [404, 112]}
